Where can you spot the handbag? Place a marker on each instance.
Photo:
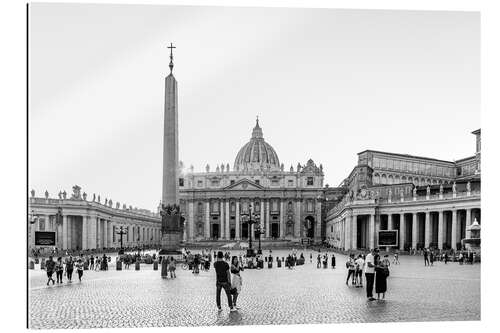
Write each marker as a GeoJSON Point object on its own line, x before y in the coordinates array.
{"type": "Point", "coordinates": [386, 271]}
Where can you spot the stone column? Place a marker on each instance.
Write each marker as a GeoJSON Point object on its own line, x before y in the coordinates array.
{"type": "Point", "coordinates": [268, 226]}
{"type": "Point", "coordinates": [371, 231]}
{"type": "Point", "coordinates": [282, 219]}
{"type": "Point", "coordinates": [454, 229]}
{"type": "Point", "coordinates": [317, 227]}
{"type": "Point", "coordinates": [65, 232]}
{"type": "Point", "coordinates": [390, 225]}
{"type": "Point", "coordinates": [207, 219]}
{"type": "Point", "coordinates": [85, 223]}
{"type": "Point", "coordinates": [440, 230]}
{"type": "Point", "coordinates": [191, 220]}
{"type": "Point", "coordinates": [237, 220]}
{"type": "Point", "coordinates": [427, 239]}
{"type": "Point", "coordinates": [468, 221]}
{"type": "Point", "coordinates": [402, 231]}
{"type": "Point", "coordinates": [228, 228]}
{"type": "Point", "coordinates": [262, 221]}
{"type": "Point", "coordinates": [221, 227]}
{"type": "Point", "coordinates": [347, 232]}
{"type": "Point", "coordinates": [414, 231]}
{"type": "Point", "coordinates": [296, 226]}
{"type": "Point", "coordinates": [105, 233]}
{"type": "Point", "coordinates": [354, 232]}
{"type": "Point", "coordinates": [377, 229]}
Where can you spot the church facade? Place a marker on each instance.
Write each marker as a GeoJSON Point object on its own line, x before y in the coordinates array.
{"type": "Point", "coordinates": [286, 204]}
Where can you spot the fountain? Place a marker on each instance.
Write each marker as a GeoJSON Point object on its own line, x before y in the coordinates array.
{"type": "Point", "coordinates": [473, 243]}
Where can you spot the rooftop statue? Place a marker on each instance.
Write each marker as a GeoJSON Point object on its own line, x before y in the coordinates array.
{"type": "Point", "coordinates": [64, 194]}
{"type": "Point", "coordinates": [32, 193]}
{"type": "Point", "coordinates": [84, 196]}
{"type": "Point", "coordinates": [76, 193]}
{"type": "Point", "coordinates": [46, 194]}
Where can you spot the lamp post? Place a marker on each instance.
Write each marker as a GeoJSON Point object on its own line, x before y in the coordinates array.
{"type": "Point", "coordinates": [251, 219]}
{"type": "Point", "coordinates": [121, 233]}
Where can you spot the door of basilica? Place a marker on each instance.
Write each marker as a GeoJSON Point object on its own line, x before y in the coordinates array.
{"type": "Point", "coordinates": [215, 231]}
{"type": "Point", "coordinates": [244, 230]}
{"type": "Point", "coordinates": [275, 230]}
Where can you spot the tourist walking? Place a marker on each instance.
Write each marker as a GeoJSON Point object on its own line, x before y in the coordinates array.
{"type": "Point", "coordinates": [50, 266]}
{"type": "Point", "coordinates": [431, 257]}
{"type": "Point", "coordinates": [350, 269]}
{"type": "Point", "coordinates": [171, 267]}
{"type": "Point", "coordinates": [318, 264]}
{"type": "Point", "coordinates": [359, 265]}
{"type": "Point", "coordinates": [395, 261]}
{"type": "Point", "coordinates": [223, 276]}
{"type": "Point", "coordinates": [79, 269]}
{"type": "Point", "coordinates": [382, 272]}
{"type": "Point", "coordinates": [236, 280]}
{"type": "Point", "coordinates": [370, 274]}
{"type": "Point", "coordinates": [333, 260]}
{"type": "Point", "coordinates": [69, 268]}
{"type": "Point", "coordinates": [59, 270]}
{"type": "Point", "coordinates": [91, 267]}
{"type": "Point", "coordinates": [426, 258]}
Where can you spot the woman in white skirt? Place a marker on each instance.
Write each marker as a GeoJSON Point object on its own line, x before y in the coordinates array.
{"type": "Point", "coordinates": [236, 281]}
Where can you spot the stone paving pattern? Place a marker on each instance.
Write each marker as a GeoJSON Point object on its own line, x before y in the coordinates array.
{"type": "Point", "coordinates": [303, 295]}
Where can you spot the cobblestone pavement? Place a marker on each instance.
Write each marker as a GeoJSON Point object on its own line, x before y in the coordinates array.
{"type": "Point", "coordinates": [303, 295]}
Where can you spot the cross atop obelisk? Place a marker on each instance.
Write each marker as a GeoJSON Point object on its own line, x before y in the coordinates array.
{"type": "Point", "coordinates": [171, 65]}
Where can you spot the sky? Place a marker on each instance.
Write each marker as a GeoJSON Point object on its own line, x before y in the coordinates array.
{"type": "Point", "coordinates": [326, 84]}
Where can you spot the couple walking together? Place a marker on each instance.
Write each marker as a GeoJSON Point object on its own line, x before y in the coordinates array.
{"type": "Point", "coordinates": [229, 279]}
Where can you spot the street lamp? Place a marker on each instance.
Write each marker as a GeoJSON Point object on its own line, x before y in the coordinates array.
{"type": "Point", "coordinates": [260, 231]}
{"type": "Point", "coordinates": [251, 219]}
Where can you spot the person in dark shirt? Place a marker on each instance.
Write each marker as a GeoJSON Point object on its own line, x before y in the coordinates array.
{"type": "Point", "coordinates": [50, 267]}
{"type": "Point", "coordinates": [223, 281]}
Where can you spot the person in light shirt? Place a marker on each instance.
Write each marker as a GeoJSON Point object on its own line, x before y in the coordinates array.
{"type": "Point", "coordinates": [359, 264]}
{"type": "Point", "coordinates": [370, 274]}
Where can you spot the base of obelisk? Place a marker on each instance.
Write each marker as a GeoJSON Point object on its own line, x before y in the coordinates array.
{"type": "Point", "coordinates": [171, 243]}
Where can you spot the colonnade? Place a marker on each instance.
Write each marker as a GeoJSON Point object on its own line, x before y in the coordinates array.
{"type": "Point", "coordinates": [82, 232]}
{"type": "Point", "coordinates": [442, 228]}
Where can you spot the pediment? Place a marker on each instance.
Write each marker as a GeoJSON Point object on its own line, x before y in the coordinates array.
{"type": "Point", "coordinates": [244, 184]}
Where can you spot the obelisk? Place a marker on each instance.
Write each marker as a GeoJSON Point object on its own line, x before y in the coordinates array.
{"type": "Point", "coordinates": [172, 225]}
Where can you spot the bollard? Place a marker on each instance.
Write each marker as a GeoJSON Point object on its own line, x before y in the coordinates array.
{"type": "Point", "coordinates": [32, 264]}
{"type": "Point", "coordinates": [155, 265]}
{"type": "Point", "coordinates": [137, 265]}
{"type": "Point", "coordinates": [119, 265]}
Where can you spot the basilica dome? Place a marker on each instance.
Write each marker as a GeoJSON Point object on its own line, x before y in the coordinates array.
{"type": "Point", "coordinates": [257, 154]}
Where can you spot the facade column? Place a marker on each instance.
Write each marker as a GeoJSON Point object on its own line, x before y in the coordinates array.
{"type": "Point", "coordinates": [228, 229]}
{"type": "Point", "coordinates": [91, 232]}
{"type": "Point", "coordinates": [371, 231]}
{"type": "Point", "coordinates": [468, 221]}
{"type": "Point", "coordinates": [296, 225]}
{"type": "Point", "coordinates": [414, 231]}
{"type": "Point", "coordinates": [377, 229]}
{"type": "Point", "coordinates": [64, 233]}
{"type": "Point", "coordinates": [390, 225]}
{"type": "Point", "coordinates": [454, 229]}
{"type": "Point", "coordinates": [85, 223]}
{"type": "Point", "coordinates": [207, 219]}
{"type": "Point", "coordinates": [354, 232]}
{"type": "Point", "coordinates": [427, 239]}
{"type": "Point", "coordinates": [105, 234]}
{"type": "Point", "coordinates": [402, 231]}
{"type": "Point", "coordinates": [347, 231]}
{"type": "Point", "coordinates": [191, 220]}
{"type": "Point", "coordinates": [237, 219]}
{"type": "Point", "coordinates": [221, 227]}
{"type": "Point", "coordinates": [440, 230]}
{"type": "Point", "coordinates": [262, 221]}
{"type": "Point", "coordinates": [282, 219]}
{"type": "Point", "coordinates": [317, 227]}
{"type": "Point", "coordinates": [268, 232]}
